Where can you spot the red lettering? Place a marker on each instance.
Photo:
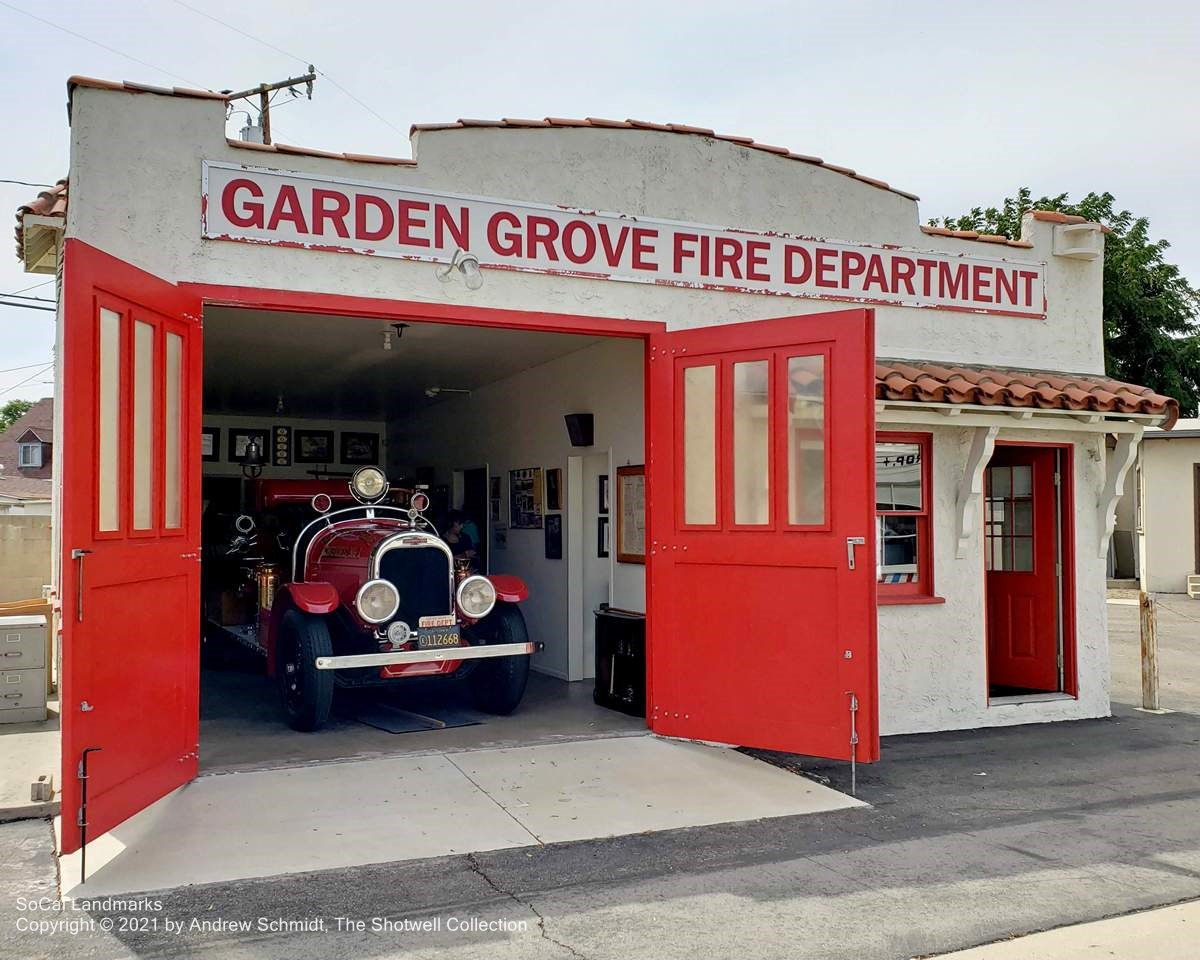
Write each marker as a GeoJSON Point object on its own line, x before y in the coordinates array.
{"type": "Point", "coordinates": [643, 247]}
{"type": "Point", "coordinates": [726, 252]}
{"type": "Point", "coordinates": [250, 213]}
{"type": "Point", "coordinates": [705, 250]}
{"type": "Point", "coordinates": [336, 214]}
{"type": "Point", "coordinates": [1006, 284]}
{"type": "Point", "coordinates": [680, 252]}
{"type": "Point", "coordinates": [543, 231]}
{"type": "Point", "coordinates": [790, 252]}
{"type": "Point", "coordinates": [287, 207]}
{"type": "Point", "coordinates": [904, 275]}
{"type": "Point", "coordinates": [509, 243]}
{"type": "Point", "coordinates": [927, 267]}
{"type": "Point", "coordinates": [574, 229]}
{"type": "Point", "coordinates": [756, 258]}
{"type": "Point", "coordinates": [875, 275]}
{"type": "Point", "coordinates": [952, 282]}
{"type": "Point", "coordinates": [409, 222]}
{"type": "Point", "coordinates": [387, 220]}
{"type": "Point", "coordinates": [459, 230]}
{"type": "Point", "coordinates": [859, 265]}
{"type": "Point", "coordinates": [612, 255]}
{"type": "Point", "coordinates": [824, 255]}
{"type": "Point", "coordinates": [981, 283]}
{"type": "Point", "coordinates": [1028, 276]}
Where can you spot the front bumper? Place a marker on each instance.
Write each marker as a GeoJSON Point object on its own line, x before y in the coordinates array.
{"type": "Point", "coordinates": [427, 656]}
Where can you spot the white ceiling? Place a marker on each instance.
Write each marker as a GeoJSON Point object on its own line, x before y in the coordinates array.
{"type": "Point", "coordinates": [336, 367]}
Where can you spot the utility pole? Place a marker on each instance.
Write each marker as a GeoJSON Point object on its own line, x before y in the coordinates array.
{"type": "Point", "coordinates": [264, 91]}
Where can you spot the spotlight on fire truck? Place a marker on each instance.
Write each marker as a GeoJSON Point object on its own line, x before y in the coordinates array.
{"type": "Point", "coordinates": [369, 485]}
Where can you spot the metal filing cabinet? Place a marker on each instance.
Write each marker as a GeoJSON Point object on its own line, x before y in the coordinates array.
{"type": "Point", "coordinates": [22, 669]}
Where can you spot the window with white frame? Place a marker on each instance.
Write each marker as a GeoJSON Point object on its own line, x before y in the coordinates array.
{"type": "Point", "coordinates": [29, 455]}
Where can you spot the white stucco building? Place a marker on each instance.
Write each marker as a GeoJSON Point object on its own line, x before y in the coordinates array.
{"type": "Point", "coordinates": [1168, 509]}
{"type": "Point", "coordinates": [636, 272]}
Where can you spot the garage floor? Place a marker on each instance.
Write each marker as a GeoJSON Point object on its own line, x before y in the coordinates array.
{"type": "Point", "coordinates": [241, 726]}
{"type": "Point", "coordinates": [320, 816]}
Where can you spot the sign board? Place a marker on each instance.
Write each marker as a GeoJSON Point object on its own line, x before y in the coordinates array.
{"type": "Point", "coordinates": [255, 205]}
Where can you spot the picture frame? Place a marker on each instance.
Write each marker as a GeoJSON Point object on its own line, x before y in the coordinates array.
{"type": "Point", "coordinates": [554, 536]}
{"type": "Point", "coordinates": [525, 499]}
{"type": "Point", "coordinates": [495, 501]}
{"type": "Point", "coordinates": [239, 439]}
{"type": "Point", "coordinates": [602, 544]}
{"type": "Point", "coordinates": [313, 446]}
{"type": "Point", "coordinates": [210, 444]}
{"type": "Point", "coordinates": [554, 493]}
{"type": "Point", "coordinates": [602, 493]}
{"type": "Point", "coordinates": [281, 446]}
{"type": "Point", "coordinates": [359, 448]}
{"type": "Point", "coordinates": [631, 514]}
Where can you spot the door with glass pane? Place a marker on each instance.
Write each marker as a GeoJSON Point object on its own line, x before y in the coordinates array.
{"type": "Point", "coordinates": [130, 571]}
{"type": "Point", "coordinates": [1021, 557]}
{"type": "Point", "coordinates": [761, 561]}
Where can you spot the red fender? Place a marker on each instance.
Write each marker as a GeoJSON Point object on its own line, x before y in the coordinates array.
{"type": "Point", "coordinates": [317, 597]}
{"type": "Point", "coordinates": [510, 589]}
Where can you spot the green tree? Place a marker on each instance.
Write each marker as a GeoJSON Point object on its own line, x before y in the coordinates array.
{"type": "Point", "coordinates": [1151, 335]}
{"type": "Point", "coordinates": [13, 411]}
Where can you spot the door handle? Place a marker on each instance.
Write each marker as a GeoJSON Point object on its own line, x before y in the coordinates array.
{"type": "Point", "coordinates": [77, 555]}
{"type": "Point", "coordinates": [851, 543]}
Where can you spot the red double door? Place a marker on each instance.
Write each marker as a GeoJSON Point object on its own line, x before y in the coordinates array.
{"type": "Point", "coordinates": [760, 504]}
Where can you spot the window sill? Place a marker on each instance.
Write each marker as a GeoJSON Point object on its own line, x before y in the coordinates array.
{"type": "Point", "coordinates": [902, 600]}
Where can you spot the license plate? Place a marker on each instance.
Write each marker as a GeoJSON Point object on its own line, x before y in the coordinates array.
{"type": "Point", "coordinates": [437, 638]}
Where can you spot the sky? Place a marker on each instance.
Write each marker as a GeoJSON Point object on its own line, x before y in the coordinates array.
{"type": "Point", "coordinates": [958, 102]}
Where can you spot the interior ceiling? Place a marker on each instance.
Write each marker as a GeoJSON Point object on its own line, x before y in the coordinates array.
{"type": "Point", "coordinates": [336, 368]}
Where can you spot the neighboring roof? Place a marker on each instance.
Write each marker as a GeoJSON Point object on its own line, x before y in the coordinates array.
{"type": "Point", "coordinates": [37, 435]}
{"type": "Point", "coordinates": [40, 419]}
{"type": "Point", "coordinates": [51, 202]}
{"type": "Point", "coordinates": [25, 488]}
{"type": "Point", "coordinates": [921, 381]}
{"type": "Point", "coordinates": [1183, 430]}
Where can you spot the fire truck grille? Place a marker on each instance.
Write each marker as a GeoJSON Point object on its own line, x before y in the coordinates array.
{"type": "Point", "coordinates": [422, 575]}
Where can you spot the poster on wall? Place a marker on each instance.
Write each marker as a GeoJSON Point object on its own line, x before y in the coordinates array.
{"type": "Point", "coordinates": [554, 536]}
{"type": "Point", "coordinates": [210, 443]}
{"type": "Point", "coordinates": [631, 514]}
{"type": "Point", "coordinates": [554, 489]}
{"type": "Point", "coordinates": [602, 537]}
{"type": "Point", "coordinates": [525, 499]}
{"type": "Point", "coordinates": [314, 446]}
{"type": "Point", "coordinates": [603, 493]}
{"type": "Point", "coordinates": [494, 499]}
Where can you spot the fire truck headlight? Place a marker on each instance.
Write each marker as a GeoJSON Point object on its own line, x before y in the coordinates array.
{"type": "Point", "coordinates": [377, 601]}
{"type": "Point", "coordinates": [476, 597]}
{"type": "Point", "coordinates": [368, 484]}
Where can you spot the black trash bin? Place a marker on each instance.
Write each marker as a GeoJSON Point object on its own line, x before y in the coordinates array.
{"type": "Point", "coordinates": [621, 660]}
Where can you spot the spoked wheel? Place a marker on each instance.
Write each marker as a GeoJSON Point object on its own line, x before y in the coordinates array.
{"type": "Point", "coordinates": [498, 685]}
{"type": "Point", "coordinates": [307, 692]}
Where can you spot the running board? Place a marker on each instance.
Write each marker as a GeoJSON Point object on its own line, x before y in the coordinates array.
{"type": "Point", "coordinates": [427, 656]}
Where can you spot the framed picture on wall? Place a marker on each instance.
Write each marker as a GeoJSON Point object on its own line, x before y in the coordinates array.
{"type": "Point", "coordinates": [239, 439]}
{"type": "Point", "coordinates": [314, 446]}
{"type": "Point", "coordinates": [603, 493]}
{"type": "Point", "coordinates": [360, 447]}
{"type": "Point", "coordinates": [210, 443]}
{"type": "Point", "coordinates": [281, 446]}
{"type": "Point", "coordinates": [525, 499]}
{"type": "Point", "coordinates": [554, 489]}
{"type": "Point", "coordinates": [631, 514]}
{"type": "Point", "coordinates": [554, 536]}
{"type": "Point", "coordinates": [602, 536]}
{"type": "Point", "coordinates": [494, 500]}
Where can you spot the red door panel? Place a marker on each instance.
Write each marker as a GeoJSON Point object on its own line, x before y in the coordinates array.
{"type": "Point", "coordinates": [130, 572]}
{"type": "Point", "coordinates": [1021, 559]}
{"type": "Point", "coordinates": [762, 466]}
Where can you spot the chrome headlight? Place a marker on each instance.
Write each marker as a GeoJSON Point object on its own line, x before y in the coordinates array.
{"type": "Point", "coordinates": [368, 484]}
{"type": "Point", "coordinates": [476, 597]}
{"type": "Point", "coordinates": [376, 601]}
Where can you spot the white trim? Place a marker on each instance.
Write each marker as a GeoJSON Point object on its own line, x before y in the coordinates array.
{"type": "Point", "coordinates": [1116, 469]}
{"type": "Point", "coordinates": [974, 415]}
{"type": "Point", "coordinates": [970, 486]}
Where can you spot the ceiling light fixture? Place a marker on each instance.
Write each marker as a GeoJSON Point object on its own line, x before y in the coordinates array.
{"type": "Point", "coordinates": [389, 335]}
{"type": "Point", "coordinates": [434, 392]}
{"type": "Point", "coordinates": [467, 265]}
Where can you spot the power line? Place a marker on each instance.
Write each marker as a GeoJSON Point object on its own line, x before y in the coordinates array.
{"type": "Point", "coordinates": [27, 306]}
{"type": "Point", "coordinates": [28, 366]}
{"type": "Point", "coordinates": [97, 43]}
{"type": "Point", "coordinates": [27, 289]}
{"type": "Point", "coordinates": [35, 299]}
{"type": "Point", "coordinates": [321, 73]}
{"type": "Point", "coordinates": [22, 383]}
{"type": "Point", "coordinates": [26, 183]}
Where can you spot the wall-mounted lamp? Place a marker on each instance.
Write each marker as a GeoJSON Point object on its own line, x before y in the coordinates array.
{"type": "Point", "coordinates": [252, 461]}
{"type": "Point", "coordinates": [466, 264]}
{"type": "Point", "coordinates": [434, 392]}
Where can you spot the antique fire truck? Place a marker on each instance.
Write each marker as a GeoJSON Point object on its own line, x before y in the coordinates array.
{"type": "Point", "coordinates": [363, 594]}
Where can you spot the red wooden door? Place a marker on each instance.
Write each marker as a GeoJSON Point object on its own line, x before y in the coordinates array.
{"type": "Point", "coordinates": [130, 571]}
{"type": "Point", "coordinates": [1021, 558]}
{"type": "Point", "coordinates": [761, 478]}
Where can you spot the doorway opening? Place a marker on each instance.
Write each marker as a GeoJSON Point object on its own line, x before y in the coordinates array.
{"type": "Point", "coordinates": [1029, 572]}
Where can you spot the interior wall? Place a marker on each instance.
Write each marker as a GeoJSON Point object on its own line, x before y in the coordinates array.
{"type": "Point", "coordinates": [518, 423]}
{"type": "Point", "coordinates": [297, 471]}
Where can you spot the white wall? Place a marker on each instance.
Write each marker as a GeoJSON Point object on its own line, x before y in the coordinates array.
{"type": "Point", "coordinates": [135, 192]}
{"type": "Point", "coordinates": [518, 423]}
{"type": "Point", "coordinates": [933, 658]}
{"type": "Point", "coordinates": [1167, 544]}
{"type": "Point", "coordinates": [297, 471]}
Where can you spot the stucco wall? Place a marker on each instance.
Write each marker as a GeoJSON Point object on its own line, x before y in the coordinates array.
{"type": "Point", "coordinates": [1167, 544]}
{"type": "Point", "coordinates": [135, 192]}
{"type": "Point", "coordinates": [933, 659]}
{"type": "Point", "coordinates": [24, 556]}
{"type": "Point", "coordinates": [518, 423]}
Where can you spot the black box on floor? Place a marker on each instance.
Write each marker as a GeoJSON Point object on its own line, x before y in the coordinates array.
{"type": "Point", "coordinates": [621, 660]}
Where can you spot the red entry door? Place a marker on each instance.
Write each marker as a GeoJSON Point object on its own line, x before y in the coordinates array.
{"type": "Point", "coordinates": [130, 571]}
{"type": "Point", "coordinates": [761, 482]}
{"type": "Point", "coordinates": [1021, 558]}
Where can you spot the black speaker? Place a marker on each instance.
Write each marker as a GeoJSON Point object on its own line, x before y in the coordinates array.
{"type": "Point", "coordinates": [581, 429]}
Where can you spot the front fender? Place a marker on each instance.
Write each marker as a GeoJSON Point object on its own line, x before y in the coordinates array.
{"type": "Point", "coordinates": [510, 589]}
{"type": "Point", "coordinates": [316, 597]}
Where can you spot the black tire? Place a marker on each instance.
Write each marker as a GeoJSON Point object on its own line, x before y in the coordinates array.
{"type": "Point", "coordinates": [498, 685]}
{"type": "Point", "coordinates": [306, 692]}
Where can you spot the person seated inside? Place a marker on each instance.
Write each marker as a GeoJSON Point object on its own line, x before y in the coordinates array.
{"type": "Point", "coordinates": [461, 544]}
